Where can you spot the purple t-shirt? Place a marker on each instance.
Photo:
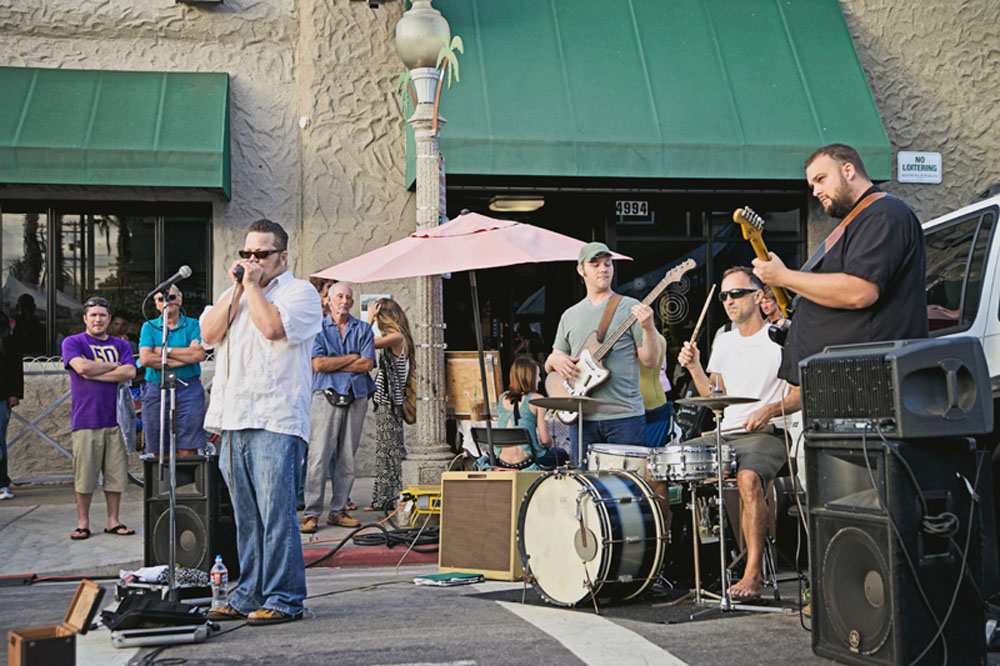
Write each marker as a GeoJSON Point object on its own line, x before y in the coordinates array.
{"type": "Point", "coordinates": [94, 403]}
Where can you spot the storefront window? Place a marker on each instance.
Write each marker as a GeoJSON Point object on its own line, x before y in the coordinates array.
{"type": "Point", "coordinates": [24, 238]}
{"type": "Point", "coordinates": [956, 261]}
{"type": "Point", "coordinates": [60, 257]}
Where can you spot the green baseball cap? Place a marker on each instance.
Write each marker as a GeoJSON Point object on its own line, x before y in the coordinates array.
{"type": "Point", "coordinates": [590, 251]}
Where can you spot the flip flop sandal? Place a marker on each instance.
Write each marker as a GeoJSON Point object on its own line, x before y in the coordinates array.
{"type": "Point", "coordinates": [80, 534]}
{"type": "Point", "coordinates": [119, 530]}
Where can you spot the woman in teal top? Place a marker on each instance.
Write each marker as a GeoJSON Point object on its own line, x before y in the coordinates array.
{"type": "Point", "coordinates": [184, 357]}
{"type": "Point", "coordinates": [515, 411]}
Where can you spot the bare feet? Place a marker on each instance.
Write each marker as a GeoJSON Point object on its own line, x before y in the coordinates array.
{"type": "Point", "coordinates": [748, 587]}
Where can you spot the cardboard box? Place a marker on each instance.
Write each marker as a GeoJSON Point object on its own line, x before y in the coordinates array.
{"type": "Point", "coordinates": [55, 645]}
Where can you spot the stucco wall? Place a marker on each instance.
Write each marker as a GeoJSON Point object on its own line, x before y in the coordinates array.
{"type": "Point", "coordinates": [934, 68]}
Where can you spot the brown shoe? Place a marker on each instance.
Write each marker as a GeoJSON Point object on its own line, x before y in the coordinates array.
{"type": "Point", "coordinates": [342, 520]}
{"type": "Point", "coordinates": [309, 525]}
{"type": "Point", "coordinates": [225, 613]}
{"type": "Point", "coordinates": [807, 610]}
{"type": "Point", "coordinates": [270, 616]}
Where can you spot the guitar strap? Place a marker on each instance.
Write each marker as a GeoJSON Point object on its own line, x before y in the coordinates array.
{"type": "Point", "coordinates": [838, 231]}
{"type": "Point", "coordinates": [609, 314]}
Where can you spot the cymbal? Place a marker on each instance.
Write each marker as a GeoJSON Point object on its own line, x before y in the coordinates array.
{"type": "Point", "coordinates": [715, 402]}
{"type": "Point", "coordinates": [589, 406]}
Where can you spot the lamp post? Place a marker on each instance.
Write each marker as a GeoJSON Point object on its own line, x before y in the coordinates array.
{"type": "Point", "coordinates": [420, 34]}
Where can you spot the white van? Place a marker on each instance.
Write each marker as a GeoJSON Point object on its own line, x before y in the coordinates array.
{"type": "Point", "coordinates": [963, 280]}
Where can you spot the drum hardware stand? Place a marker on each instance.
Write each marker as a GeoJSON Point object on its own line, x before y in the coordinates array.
{"type": "Point", "coordinates": [726, 603]}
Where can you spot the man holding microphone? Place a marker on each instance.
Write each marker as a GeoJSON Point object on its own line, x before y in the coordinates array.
{"type": "Point", "coordinates": [262, 329]}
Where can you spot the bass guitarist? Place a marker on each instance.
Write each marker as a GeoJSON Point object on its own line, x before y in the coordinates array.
{"type": "Point", "coordinates": [639, 344]}
{"type": "Point", "coordinates": [870, 285]}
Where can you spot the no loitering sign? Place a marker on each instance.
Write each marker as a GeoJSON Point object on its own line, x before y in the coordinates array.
{"type": "Point", "coordinates": [918, 167]}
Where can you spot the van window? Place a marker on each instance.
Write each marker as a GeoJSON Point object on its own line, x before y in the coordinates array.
{"type": "Point", "coordinates": [956, 262]}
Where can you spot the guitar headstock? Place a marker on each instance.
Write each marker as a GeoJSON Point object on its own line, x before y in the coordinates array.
{"type": "Point", "coordinates": [750, 222]}
{"type": "Point", "coordinates": [677, 272]}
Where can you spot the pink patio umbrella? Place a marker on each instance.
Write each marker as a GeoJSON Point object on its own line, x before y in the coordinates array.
{"type": "Point", "coordinates": [467, 243]}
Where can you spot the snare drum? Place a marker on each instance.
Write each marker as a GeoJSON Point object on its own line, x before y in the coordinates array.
{"type": "Point", "coordinates": [690, 463]}
{"type": "Point", "coordinates": [617, 456]}
{"type": "Point", "coordinates": [600, 530]}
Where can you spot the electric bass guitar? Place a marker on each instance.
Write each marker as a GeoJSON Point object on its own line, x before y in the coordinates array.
{"type": "Point", "coordinates": [752, 226]}
{"type": "Point", "coordinates": [591, 372]}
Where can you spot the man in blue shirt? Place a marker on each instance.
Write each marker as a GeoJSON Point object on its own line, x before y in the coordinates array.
{"type": "Point", "coordinates": [342, 355]}
{"type": "Point", "coordinates": [184, 357]}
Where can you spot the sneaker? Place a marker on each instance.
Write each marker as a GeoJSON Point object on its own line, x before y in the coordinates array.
{"type": "Point", "coordinates": [270, 616]}
{"type": "Point", "coordinates": [6, 494]}
{"type": "Point", "coordinates": [308, 525]}
{"type": "Point", "coordinates": [342, 520]}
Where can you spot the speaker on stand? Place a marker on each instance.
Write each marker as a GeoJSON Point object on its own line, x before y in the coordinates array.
{"type": "Point", "coordinates": [900, 518]}
{"type": "Point", "coordinates": [205, 523]}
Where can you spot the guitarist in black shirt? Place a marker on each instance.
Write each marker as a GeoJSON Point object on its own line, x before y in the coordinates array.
{"type": "Point", "coordinates": [869, 283]}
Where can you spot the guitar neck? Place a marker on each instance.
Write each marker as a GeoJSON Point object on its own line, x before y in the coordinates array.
{"type": "Point", "coordinates": [612, 338]}
{"type": "Point", "coordinates": [780, 295]}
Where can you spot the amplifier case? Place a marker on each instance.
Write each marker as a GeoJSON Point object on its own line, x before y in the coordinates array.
{"type": "Point", "coordinates": [479, 522]}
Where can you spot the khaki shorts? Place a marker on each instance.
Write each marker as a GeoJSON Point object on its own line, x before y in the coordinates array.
{"type": "Point", "coordinates": [99, 450]}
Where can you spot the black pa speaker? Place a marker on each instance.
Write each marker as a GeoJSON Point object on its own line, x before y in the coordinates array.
{"type": "Point", "coordinates": [883, 575]}
{"type": "Point", "coordinates": [905, 388]}
{"type": "Point", "coordinates": [205, 526]}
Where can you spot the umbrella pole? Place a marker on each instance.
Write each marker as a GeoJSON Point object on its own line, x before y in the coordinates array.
{"type": "Point", "coordinates": [477, 325]}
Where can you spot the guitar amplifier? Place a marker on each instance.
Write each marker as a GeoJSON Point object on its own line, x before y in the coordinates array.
{"type": "Point", "coordinates": [479, 522]}
{"type": "Point", "coordinates": [903, 388]}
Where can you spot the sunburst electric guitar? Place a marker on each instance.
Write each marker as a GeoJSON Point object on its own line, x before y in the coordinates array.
{"type": "Point", "coordinates": [752, 226]}
{"type": "Point", "coordinates": [591, 372]}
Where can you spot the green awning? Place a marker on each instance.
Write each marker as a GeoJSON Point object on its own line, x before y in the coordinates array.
{"type": "Point", "coordinates": [684, 89]}
{"type": "Point", "coordinates": [86, 127]}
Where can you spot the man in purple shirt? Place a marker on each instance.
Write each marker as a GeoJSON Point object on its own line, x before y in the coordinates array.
{"type": "Point", "coordinates": [97, 362]}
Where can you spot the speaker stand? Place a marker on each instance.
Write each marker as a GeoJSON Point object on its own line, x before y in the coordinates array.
{"type": "Point", "coordinates": [168, 425]}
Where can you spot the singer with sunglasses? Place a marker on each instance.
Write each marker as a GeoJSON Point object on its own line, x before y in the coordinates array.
{"type": "Point", "coordinates": [745, 362]}
{"type": "Point", "coordinates": [263, 328]}
{"type": "Point", "coordinates": [184, 356]}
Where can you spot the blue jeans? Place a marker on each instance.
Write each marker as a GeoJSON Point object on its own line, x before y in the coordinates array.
{"type": "Point", "coordinates": [260, 469]}
{"type": "Point", "coordinates": [4, 420]}
{"type": "Point", "coordinates": [626, 430]}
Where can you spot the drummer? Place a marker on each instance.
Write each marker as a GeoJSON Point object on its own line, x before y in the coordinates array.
{"type": "Point", "coordinates": [745, 363]}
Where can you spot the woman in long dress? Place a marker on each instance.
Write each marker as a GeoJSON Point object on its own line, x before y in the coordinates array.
{"type": "Point", "coordinates": [394, 350]}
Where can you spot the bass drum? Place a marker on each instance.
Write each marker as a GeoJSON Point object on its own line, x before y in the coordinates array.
{"type": "Point", "coordinates": [594, 530]}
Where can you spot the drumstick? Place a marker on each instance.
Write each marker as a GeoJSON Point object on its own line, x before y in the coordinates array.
{"type": "Point", "coordinates": [701, 318]}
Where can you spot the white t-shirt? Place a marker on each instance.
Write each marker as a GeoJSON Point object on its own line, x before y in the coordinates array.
{"type": "Point", "coordinates": [749, 368]}
{"type": "Point", "coordinates": [269, 384]}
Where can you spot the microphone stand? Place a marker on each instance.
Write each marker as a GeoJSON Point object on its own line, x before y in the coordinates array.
{"type": "Point", "coordinates": [168, 388]}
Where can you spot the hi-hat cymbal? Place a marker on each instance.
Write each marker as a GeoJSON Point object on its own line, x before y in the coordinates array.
{"type": "Point", "coordinates": [589, 406]}
{"type": "Point", "coordinates": [715, 402]}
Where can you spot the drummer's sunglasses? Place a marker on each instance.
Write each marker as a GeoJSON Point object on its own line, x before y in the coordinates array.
{"type": "Point", "coordinates": [259, 254]}
{"type": "Point", "coordinates": [734, 294]}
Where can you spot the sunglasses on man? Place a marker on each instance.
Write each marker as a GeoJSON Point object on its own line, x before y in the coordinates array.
{"type": "Point", "coordinates": [170, 297]}
{"type": "Point", "coordinates": [258, 254]}
{"type": "Point", "coordinates": [734, 294]}
{"type": "Point", "coordinates": [96, 301]}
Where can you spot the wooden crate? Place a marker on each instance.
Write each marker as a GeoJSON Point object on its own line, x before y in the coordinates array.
{"type": "Point", "coordinates": [55, 645]}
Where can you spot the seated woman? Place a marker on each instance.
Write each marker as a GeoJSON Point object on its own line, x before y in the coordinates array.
{"type": "Point", "coordinates": [514, 411]}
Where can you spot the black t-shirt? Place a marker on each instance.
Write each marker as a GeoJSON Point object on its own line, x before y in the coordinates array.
{"type": "Point", "coordinates": [885, 246]}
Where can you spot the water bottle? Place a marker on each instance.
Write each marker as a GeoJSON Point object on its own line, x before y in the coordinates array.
{"type": "Point", "coordinates": [220, 584]}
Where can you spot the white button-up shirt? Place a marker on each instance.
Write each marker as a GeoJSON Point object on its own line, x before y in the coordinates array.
{"type": "Point", "coordinates": [261, 383]}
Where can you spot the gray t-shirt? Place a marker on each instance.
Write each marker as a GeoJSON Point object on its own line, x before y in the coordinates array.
{"type": "Point", "coordinates": [582, 319]}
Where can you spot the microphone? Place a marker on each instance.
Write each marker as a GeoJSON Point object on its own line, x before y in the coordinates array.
{"type": "Point", "coordinates": [238, 272]}
{"type": "Point", "coordinates": [182, 273]}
